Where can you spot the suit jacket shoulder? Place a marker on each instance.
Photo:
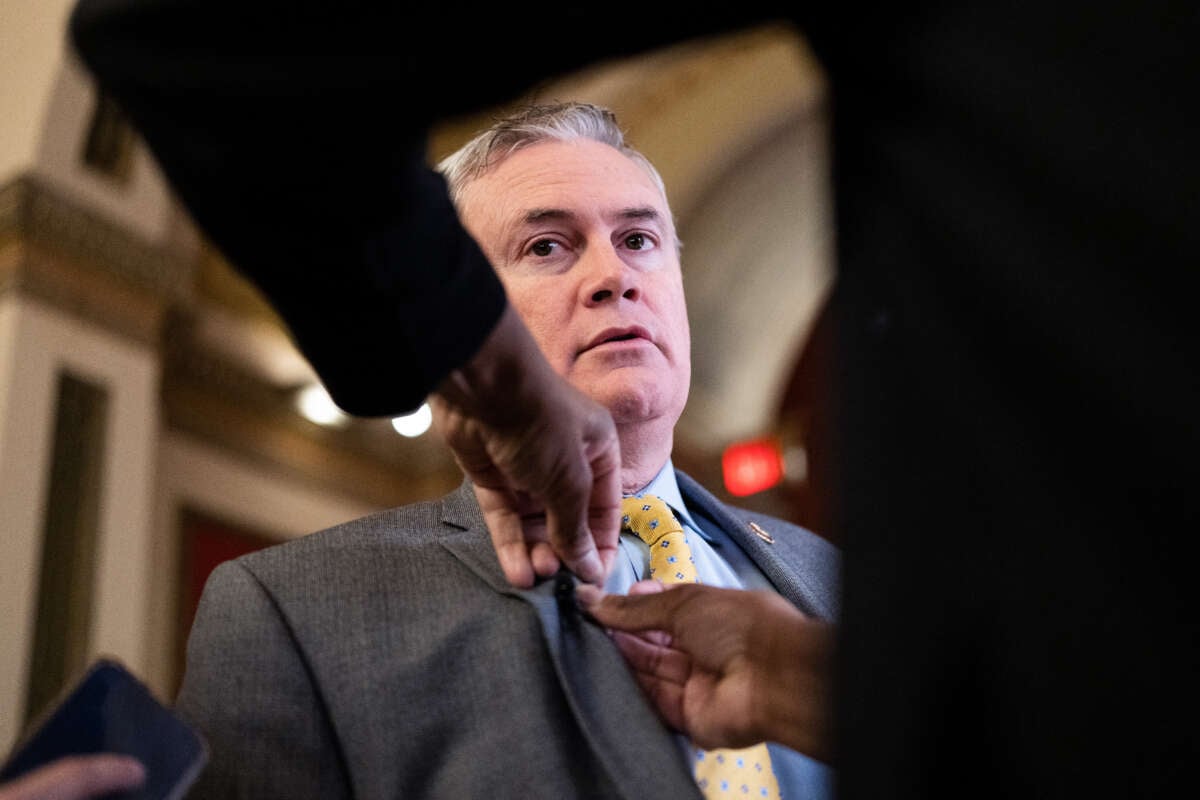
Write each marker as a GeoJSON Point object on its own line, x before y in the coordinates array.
{"type": "Point", "coordinates": [380, 657]}
{"type": "Point", "coordinates": [388, 657]}
{"type": "Point", "coordinates": [804, 567]}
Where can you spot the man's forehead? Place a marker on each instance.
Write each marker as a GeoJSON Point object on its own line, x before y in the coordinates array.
{"type": "Point", "coordinates": [563, 168]}
{"type": "Point", "coordinates": [536, 215]}
{"type": "Point", "coordinates": [569, 183]}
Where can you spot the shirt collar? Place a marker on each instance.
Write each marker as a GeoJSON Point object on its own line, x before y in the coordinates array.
{"type": "Point", "coordinates": [665, 486]}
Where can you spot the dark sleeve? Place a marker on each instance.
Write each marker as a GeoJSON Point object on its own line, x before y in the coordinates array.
{"type": "Point", "coordinates": [296, 139]}
{"type": "Point", "coordinates": [303, 172]}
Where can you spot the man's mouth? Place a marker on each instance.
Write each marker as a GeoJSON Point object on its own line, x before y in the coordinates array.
{"type": "Point", "coordinates": [614, 335]}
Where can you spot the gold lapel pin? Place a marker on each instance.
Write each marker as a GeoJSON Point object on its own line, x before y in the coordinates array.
{"type": "Point", "coordinates": [761, 533]}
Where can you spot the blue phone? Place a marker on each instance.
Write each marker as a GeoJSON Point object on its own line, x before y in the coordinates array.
{"type": "Point", "coordinates": [110, 711]}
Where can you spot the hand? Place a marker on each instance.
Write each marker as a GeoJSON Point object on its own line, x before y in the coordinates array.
{"type": "Point", "coordinates": [544, 458]}
{"type": "Point", "coordinates": [728, 667]}
{"type": "Point", "coordinates": [77, 778]}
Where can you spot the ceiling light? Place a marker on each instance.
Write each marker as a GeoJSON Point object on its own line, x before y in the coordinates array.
{"type": "Point", "coordinates": [414, 424]}
{"type": "Point", "coordinates": [317, 406]}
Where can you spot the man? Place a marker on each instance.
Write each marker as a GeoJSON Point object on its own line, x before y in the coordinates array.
{"type": "Point", "coordinates": [1015, 329]}
{"type": "Point", "coordinates": [390, 656]}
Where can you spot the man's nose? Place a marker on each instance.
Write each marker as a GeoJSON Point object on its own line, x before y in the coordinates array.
{"type": "Point", "coordinates": [608, 277]}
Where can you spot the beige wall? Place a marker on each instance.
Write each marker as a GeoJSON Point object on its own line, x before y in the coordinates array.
{"type": "Point", "coordinates": [31, 50]}
{"type": "Point", "coordinates": [754, 290]}
{"type": "Point", "coordinates": [141, 204]}
{"type": "Point", "coordinates": [46, 103]}
{"type": "Point", "coordinates": [149, 476]}
{"type": "Point", "coordinates": [37, 344]}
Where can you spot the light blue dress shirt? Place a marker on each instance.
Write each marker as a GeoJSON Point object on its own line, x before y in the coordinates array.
{"type": "Point", "coordinates": [633, 557]}
{"type": "Point", "coordinates": [719, 562]}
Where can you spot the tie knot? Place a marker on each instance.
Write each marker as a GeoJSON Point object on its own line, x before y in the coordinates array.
{"type": "Point", "coordinates": [648, 517]}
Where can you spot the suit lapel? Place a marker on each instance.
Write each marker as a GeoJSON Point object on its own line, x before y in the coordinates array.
{"type": "Point", "coordinates": [775, 560]}
{"type": "Point", "coordinates": [471, 544]}
{"type": "Point", "coordinates": [638, 752]}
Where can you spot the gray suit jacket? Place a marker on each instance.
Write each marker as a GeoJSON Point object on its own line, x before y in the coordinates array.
{"type": "Point", "coordinates": [388, 657]}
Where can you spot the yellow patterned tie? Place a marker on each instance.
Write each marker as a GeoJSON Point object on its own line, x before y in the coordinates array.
{"type": "Point", "coordinates": [723, 773]}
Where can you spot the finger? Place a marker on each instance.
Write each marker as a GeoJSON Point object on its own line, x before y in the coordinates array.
{"type": "Point", "coordinates": [545, 562]}
{"type": "Point", "coordinates": [604, 503]}
{"type": "Point", "coordinates": [463, 436]}
{"type": "Point", "coordinates": [655, 610]}
{"type": "Point", "coordinates": [666, 693]}
{"type": "Point", "coordinates": [584, 505]}
{"type": "Point", "coordinates": [77, 778]}
{"type": "Point", "coordinates": [647, 652]}
{"type": "Point", "coordinates": [508, 536]}
{"type": "Point", "coordinates": [570, 536]}
{"type": "Point", "coordinates": [588, 596]}
{"type": "Point", "coordinates": [651, 586]}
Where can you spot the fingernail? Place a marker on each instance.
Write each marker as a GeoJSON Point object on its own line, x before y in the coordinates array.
{"type": "Point", "coordinates": [589, 568]}
{"type": "Point", "coordinates": [588, 595]}
{"type": "Point", "coordinates": [136, 771]}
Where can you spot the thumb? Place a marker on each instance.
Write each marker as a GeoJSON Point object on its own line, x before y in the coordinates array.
{"type": "Point", "coordinates": [649, 611]}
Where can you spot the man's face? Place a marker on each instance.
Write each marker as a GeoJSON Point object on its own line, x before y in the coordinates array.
{"type": "Point", "coordinates": [583, 242]}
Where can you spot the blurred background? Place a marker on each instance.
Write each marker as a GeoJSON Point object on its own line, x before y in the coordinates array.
{"type": "Point", "coordinates": [155, 418]}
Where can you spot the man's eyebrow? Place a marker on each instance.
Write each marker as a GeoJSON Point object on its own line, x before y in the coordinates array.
{"type": "Point", "coordinates": [638, 212]}
{"type": "Point", "coordinates": [536, 215]}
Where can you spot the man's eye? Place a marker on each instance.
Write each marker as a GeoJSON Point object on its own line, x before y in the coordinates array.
{"type": "Point", "coordinates": [543, 247]}
{"type": "Point", "coordinates": [637, 241]}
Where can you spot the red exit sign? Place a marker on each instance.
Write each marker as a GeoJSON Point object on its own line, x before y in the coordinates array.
{"type": "Point", "coordinates": [752, 466]}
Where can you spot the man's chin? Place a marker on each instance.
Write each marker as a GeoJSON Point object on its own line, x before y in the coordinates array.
{"type": "Point", "coordinates": [631, 394]}
{"type": "Point", "coordinates": [631, 404]}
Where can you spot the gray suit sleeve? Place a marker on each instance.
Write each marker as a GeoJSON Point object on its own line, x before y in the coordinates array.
{"type": "Point", "coordinates": [248, 690]}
